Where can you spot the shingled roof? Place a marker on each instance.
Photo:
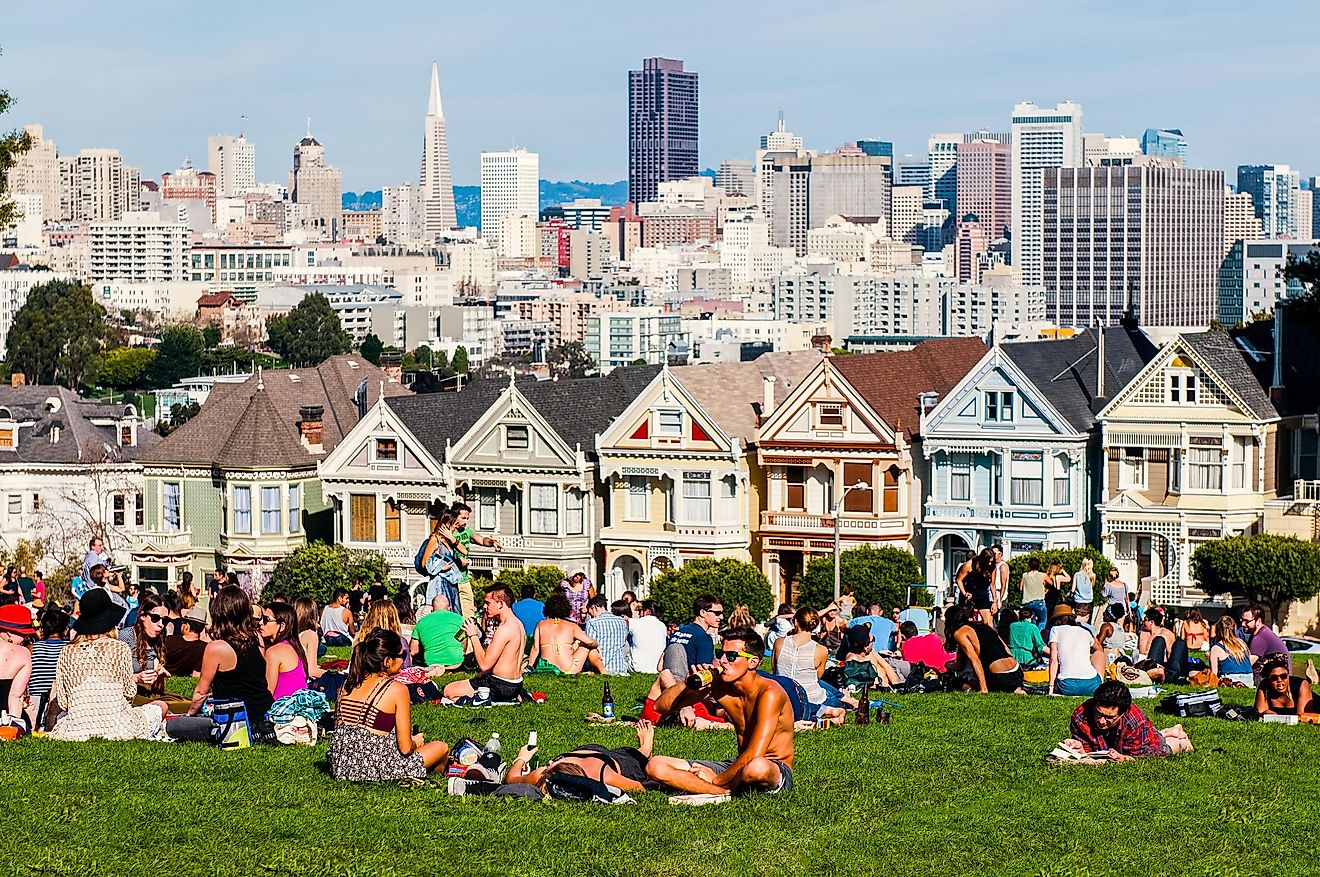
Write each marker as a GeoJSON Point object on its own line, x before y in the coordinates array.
{"type": "Point", "coordinates": [38, 410]}
{"type": "Point", "coordinates": [254, 424]}
{"type": "Point", "coordinates": [1300, 372]}
{"type": "Point", "coordinates": [890, 381]}
{"type": "Point", "coordinates": [1064, 371]}
{"type": "Point", "coordinates": [1236, 369]}
{"type": "Point", "coordinates": [732, 392]}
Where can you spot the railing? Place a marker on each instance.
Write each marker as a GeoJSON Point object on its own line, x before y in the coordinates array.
{"type": "Point", "coordinates": [799, 522]}
{"type": "Point", "coordinates": [1306, 491]}
{"type": "Point", "coordinates": [707, 531]}
{"type": "Point", "coordinates": [163, 539]}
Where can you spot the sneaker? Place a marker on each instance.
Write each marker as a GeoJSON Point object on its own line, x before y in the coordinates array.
{"type": "Point", "coordinates": [457, 785]}
{"type": "Point", "coordinates": [478, 699]}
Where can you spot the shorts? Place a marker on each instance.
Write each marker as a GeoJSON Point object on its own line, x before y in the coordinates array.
{"type": "Point", "coordinates": [501, 690]}
{"type": "Point", "coordinates": [1006, 682]}
{"type": "Point", "coordinates": [785, 774]}
{"type": "Point", "coordinates": [982, 598]}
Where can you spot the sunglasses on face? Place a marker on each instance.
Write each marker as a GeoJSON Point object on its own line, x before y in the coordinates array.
{"type": "Point", "coordinates": [266, 619]}
{"type": "Point", "coordinates": [718, 613]}
{"type": "Point", "coordinates": [1278, 677]}
{"type": "Point", "coordinates": [159, 618]}
{"type": "Point", "coordinates": [733, 656]}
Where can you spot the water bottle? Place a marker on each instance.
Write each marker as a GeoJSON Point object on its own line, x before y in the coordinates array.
{"type": "Point", "coordinates": [493, 744]}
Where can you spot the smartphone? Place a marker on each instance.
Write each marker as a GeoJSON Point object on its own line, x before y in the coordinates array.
{"type": "Point", "coordinates": [416, 729]}
{"type": "Point", "coordinates": [151, 663]}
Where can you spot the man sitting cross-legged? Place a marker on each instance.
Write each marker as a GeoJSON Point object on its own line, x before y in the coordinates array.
{"type": "Point", "coordinates": [500, 662]}
{"type": "Point", "coordinates": [762, 718]}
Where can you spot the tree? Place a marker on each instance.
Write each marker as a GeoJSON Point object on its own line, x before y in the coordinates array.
{"type": "Point", "coordinates": [570, 360]}
{"type": "Point", "coordinates": [57, 334]}
{"type": "Point", "coordinates": [1069, 558]}
{"type": "Point", "coordinates": [460, 363]}
{"type": "Point", "coordinates": [877, 575]}
{"type": "Point", "coordinates": [229, 358]}
{"type": "Point", "coordinates": [125, 368]}
{"type": "Point", "coordinates": [180, 413]}
{"type": "Point", "coordinates": [371, 348]}
{"type": "Point", "coordinates": [733, 582]}
{"type": "Point", "coordinates": [12, 145]}
{"type": "Point", "coordinates": [313, 332]}
{"type": "Point", "coordinates": [424, 356]}
{"type": "Point", "coordinates": [1264, 568]}
{"type": "Point", "coordinates": [545, 579]}
{"type": "Point", "coordinates": [316, 569]}
{"type": "Point", "coordinates": [277, 334]}
{"type": "Point", "coordinates": [441, 366]}
{"type": "Point", "coordinates": [1307, 273]}
{"type": "Point", "coordinates": [211, 335]}
{"type": "Point", "coordinates": [179, 355]}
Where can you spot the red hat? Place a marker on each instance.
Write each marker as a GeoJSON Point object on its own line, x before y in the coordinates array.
{"type": "Point", "coordinates": [16, 619]}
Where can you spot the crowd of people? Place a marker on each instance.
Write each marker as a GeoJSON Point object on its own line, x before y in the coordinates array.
{"type": "Point", "coordinates": [98, 668]}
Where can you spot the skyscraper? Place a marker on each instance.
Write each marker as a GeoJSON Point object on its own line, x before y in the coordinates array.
{"type": "Point", "coordinates": [233, 160]}
{"type": "Point", "coordinates": [775, 146]}
{"type": "Point", "coordinates": [663, 126]}
{"type": "Point", "coordinates": [317, 186]}
{"type": "Point", "coordinates": [1166, 142]}
{"type": "Point", "coordinates": [1273, 189]}
{"type": "Point", "coordinates": [737, 176]}
{"type": "Point", "coordinates": [37, 172]}
{"type": "Point", "coordinates": [96, 186]}
{"type": "Point", "coordinates": [510, 183]}
{"type": "Point", "coordinates": [985, 185]}
{"type": "Point", "coordinates": [942, 156]}
{"type": "Point", "coordinates": [806, 190]}
{"type": "Point", "coordinates": [1042, 137]}
{"type": "Point", "coordinates": [437, 180]}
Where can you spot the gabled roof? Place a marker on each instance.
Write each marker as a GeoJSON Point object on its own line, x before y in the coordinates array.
{"type": "Point", "coordinates": [732, 392]}
{"type": "Point", "coordinates": [1064, 371]}
{"type": "Point", "coordinates": [1232, 365]}
{"type": "Point", "coordinates": [80, 440]}
{"type": "Point", "coordinates": [254, 424]}
{"type": "Point", "coordinates": [890, 381]}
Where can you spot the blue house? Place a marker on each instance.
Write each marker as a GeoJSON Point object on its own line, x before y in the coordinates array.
{"type": "Point", "coordinates": [1012, 452]}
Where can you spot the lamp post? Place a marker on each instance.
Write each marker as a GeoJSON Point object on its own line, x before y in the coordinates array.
{"type": "Point", "coordinates": [838, 507]}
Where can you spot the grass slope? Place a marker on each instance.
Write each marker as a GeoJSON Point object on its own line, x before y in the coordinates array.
{"type": "Point", "coordinates": [954, 785]}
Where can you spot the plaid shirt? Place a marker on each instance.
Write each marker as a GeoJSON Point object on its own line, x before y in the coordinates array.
{"type": "Point", "coordinates": [1133, 735]}
{"type": "Point", "coordinates": [611, 633]}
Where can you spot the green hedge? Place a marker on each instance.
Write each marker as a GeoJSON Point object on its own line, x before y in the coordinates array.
{"type": "Point", "coordinates": [734, 582]}
{"type": "Point", "coordinates": [876, 575]}
{"type": "Point", "coordinates": [315, 570]}
{"type": "Point", "coordinates": [1071, 558]}
{"type": "Point", "coordinates": [545, 578]}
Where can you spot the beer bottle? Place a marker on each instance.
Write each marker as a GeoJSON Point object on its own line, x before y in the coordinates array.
{"type": "Point", "coordinates": [863, 716]}
{"type": "Point", "coordinates": [607, 702]}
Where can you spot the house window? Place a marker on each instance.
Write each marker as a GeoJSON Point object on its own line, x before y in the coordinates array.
{"type": "Point", "coordinates": [6, 438]}
{"type": "Point", "coordinates": [486, 508]}
{"type": "Point", "coordinates": [829, 415]}
{"type": "Point", "coordinates": [170, 495]}
{"type": "Point", "coordinates": [117, 514]}
{"type": "Point", "coordinates": [1204, 469]}
{"type": "Point", "coordinates": [36, 503]}
{"type": "Point", "coordinates": [126, 435]}
{"type": "Point", "coordinates": [1062, 490]}
{"type": "Point", "coordinates": [859, 499]}
{"type": "Point", "coordinates": [393, 522]}
{"type": "Point", "coordinates": [960, 478]}
{"type": "Point", "coordinates": [1026, 484]}
{"type": "Point", "coordinates": [362, 517]}
{"type": "Point", "coordinates": [1132, 468]}
{"type": "Point", "coordinates": [517, 438]}
{"type": "Point", "coordinates": [242, 509]}
{"type": "Point", "coordinates": [575, 513]}
{"type": "Point", "coordinates": [639, 497]}
{"type": "Point", "coordinates": [1182, 387]}
{"type": "Point", "coordinates": [270, 510]}
{"type": "Point", "coordinates": [796, 478]}
{"type": "Point", "coordinates": [1176, 463]}
{"type": "Point", "coordinates": [15, 504]}
{"type": "Point", "coordinates": [1239, 455]}
{"type": "Point", "coordinates": [999, 406]}
{"type": "Point", "coordinates": [696, 497]}
{"type": "Point", "coordinates": [387, 450]}
{"type": "Point", "coordinates": [669, 422]}
{"type": "Point", "coordinates": [892, 481]}
{"type": "Point", "coordinates": [295, 508]}
{"type": "Point", "coordinates": [545, 509]}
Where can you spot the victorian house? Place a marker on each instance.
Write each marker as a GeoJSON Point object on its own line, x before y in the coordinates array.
{"type": "Point", "coordinates": [237, 487]}
{"type": "Point", "coordinates": [679, 478]}
{"type": "Point", "coordinates": [1010, 450]}
{"type": "Point", "coordinates": [841, 444]}
{"type": "Point", "coordinates": [1191, 449]}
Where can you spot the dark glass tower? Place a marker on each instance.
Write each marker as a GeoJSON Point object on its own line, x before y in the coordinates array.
{"type": "Point", "coordinates": [662, 126]}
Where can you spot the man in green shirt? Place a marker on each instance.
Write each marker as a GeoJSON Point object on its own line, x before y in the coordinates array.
{"type": "Point", "coordinates": [433, 642]}
{"type": "Point", "coordinates": [466, 538]}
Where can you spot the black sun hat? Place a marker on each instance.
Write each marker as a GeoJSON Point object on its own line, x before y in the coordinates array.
{"type": "Point", "coordinates": [99, 614]}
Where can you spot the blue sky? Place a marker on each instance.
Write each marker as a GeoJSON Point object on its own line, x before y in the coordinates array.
{"type": "Point", "coordinates": [154, 79]}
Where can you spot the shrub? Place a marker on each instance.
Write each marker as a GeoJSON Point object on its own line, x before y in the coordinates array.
{"type": "Point", "coordinates": [1071, 558]}
{"type": "Point", "coordinates": [545, 578]}
{"type": "Point", "coordinates": [877, 575]}
{"type": "Point", "coordinates": [1265, 568]}
{"type": "Point", "coordinates": [315, 570]}
{"type": "Point", "coordinates": [733, 581]}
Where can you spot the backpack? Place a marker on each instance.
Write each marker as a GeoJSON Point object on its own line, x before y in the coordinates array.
{"type": "Point", "coordinates": [1203, 703]}
{"type": "Point", "coordinates": [419, 561]}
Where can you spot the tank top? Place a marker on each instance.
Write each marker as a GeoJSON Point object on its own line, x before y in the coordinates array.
{"type": "Point", "coordinates": [246, 682]}
{"type": "Point", "coordinates": [1117, 639]}
{"type": "Point", "coordinates": [989, 644]}
{"type": "Point", "coordinates": [365, 714]}
{"type": "Point", "coordinates": [1229, 664]}
{"type": "Point", "coordinates": [290, 681]}
{"type": "Point", "coordinates": [798, 662]}
{"type": "Point", "coordinates": [332, 621]}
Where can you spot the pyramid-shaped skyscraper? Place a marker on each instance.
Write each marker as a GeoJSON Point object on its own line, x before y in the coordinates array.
{"type": "Point", "coordinates": [437, 180]}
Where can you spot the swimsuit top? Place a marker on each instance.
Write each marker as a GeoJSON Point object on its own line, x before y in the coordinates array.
{"type": "Point", "coordinates": [365, 714]}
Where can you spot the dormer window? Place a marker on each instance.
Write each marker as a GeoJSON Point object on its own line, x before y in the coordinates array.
{"type": "Point", "coordinates": [999, 406]}
{"type": "Point", "coordinates": [517, 438]}
{"type": "Point", "coordinates": [669, 422]}
{"type": "Point", "coordinates": [829, 415]}
{"type": "Point", "coordinates": [387, 450]}
{"type": "Point", "coordinates": [126, 435]}
{"type": "Point", "coordinates": [1182, 386]}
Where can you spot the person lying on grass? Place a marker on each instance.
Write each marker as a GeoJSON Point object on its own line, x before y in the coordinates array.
{"type": "Point", "coordinates": [501, 662]}
{"type": "Point", "coordinates": [762, 718]}
{"type": "Point", "coordinates": [624, 768]}
{"type": "Point", "coordinates": [1110, 721]}
{"type": "Point", "coordinates": [982, 656]}
{"type": "Point", "coordinates": [1282, 694]}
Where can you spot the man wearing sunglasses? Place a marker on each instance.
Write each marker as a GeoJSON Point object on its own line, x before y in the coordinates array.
{"type": "Point", "coordinates": [762, 718]}
{"type": "Point", "coordinates": [691, 644]}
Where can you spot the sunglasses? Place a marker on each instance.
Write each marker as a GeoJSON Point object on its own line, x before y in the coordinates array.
{"type": "Point", "coordinates": [733, 656]}
{"type": "Point", "coordinates": [267, 619]}
{"type": "Point", "coordinates": [159, 618]}
{"type": "Point", "coordinates": [719, 613]}
{"type": "Point", "coordinates": [1278, 677]}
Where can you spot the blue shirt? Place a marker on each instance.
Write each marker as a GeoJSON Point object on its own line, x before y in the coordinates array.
{"type": "Point", "coordinates": [1082, 592]}
{"type": "Point", "coordinates": [697, 646]}
{"type": "Point", "coordinates": [530, 612]}
{"type": "Point", "coordinates": [610, 632]}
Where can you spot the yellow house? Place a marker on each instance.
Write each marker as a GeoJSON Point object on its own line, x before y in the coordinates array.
{"type": "Point", "coordinates": [676, 468]}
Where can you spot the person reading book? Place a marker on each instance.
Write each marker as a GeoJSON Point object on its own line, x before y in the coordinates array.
{"type": "Point", "coordinates": [1109, 721]}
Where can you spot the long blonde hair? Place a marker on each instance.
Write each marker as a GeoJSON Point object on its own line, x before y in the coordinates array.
{"type": "Point", "coordinates": [1226, 633]}
{"type": "Point", "coordinates": [741, 617]}
{"type": "Point", "coordinates": [381, 614]}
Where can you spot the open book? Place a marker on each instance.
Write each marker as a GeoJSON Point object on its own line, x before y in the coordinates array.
{"type": "Point", "coordinates": [1063, 753]}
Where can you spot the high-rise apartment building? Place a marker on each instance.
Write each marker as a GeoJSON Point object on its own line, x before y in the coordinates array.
{"type": "Point", "coordinates": [140, 247]}
{"type": "Point", "coordinates": [317, 187]}
{"type": "Point", "coordinates": [233, 160]}
{"type": "Point", "coordinates": [510, 183]}
{"type": "Point", "coordinates": [778, 145]}
{"type": "Point", "coordinates": [806, 191]}
{"type": "Point", "coordinates": [1140, 237]}
{"type": "Point", "coordinates": [663, 127]}
{"type": "Point", "coordinates": [1240, 220]}
{"type": "Point", "coordinates": [737, 176]}
{"type": "Point", "coordinates": [1166, 142]}
{"type": "Point", "coordinates": [37, 173]}
{"type": "Point", "coordinates": [1305, 214]}
{"type": "Point", "coordinates": [436, 180]}
{"type": "Point", "coordinates": [1251, 281]}
{"type": "Point", "coordinates": [1273, 189]}
{"type": "Point", "coordinates": [401, 213]}
{"type": "Point", "coordinates": [1043, 137]}
{"type": "Point", "coordinates": [96, 186]}
{"type": "Point", "coordinates": [985, 185]}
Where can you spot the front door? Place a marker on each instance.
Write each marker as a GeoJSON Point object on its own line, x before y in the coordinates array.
{"type": "Point", "coordinates": [1145, 546]}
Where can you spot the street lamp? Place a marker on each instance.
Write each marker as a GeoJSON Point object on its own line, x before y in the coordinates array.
{"type": "Point", "coordinates": [838, 507]}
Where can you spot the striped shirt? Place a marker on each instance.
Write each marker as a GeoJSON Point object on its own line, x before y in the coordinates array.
{"type": "Point", "coordinates": [611, 635]}
{"type": "Point", "coordinates": [45, 655]}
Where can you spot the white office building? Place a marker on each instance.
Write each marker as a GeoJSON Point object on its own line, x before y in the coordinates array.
{"type": "Point", "coordinates": [510, 183]}
{"type": "Point", "coordinates": [621, 338]}
{"type": "Point", "coordinates": [1042, 137]}
{"type": "Point", "coordinates": [1251, 280]}
{"type": "Point", "coordinates": [233, 160]}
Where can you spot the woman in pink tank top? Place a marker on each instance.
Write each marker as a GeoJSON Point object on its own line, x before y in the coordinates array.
{"type": "Point", "coordinates": [286, 667]}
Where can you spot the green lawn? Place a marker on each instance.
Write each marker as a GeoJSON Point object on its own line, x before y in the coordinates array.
{"type": "Point", "coordinates": [954, 785]}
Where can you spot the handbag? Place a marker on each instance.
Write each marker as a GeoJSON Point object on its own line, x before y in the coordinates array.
{"type": "Point", "coordinates": [1204, 679]}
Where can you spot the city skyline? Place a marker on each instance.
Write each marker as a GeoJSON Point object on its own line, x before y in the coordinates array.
{"type": "Point", "coordinates": [1219, 72]}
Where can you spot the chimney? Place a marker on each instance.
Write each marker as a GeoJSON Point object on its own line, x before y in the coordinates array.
{"type": "Point", "coordinates": [767, 397]}
{"type": "Point", "coordinates": [311, 425]}
{"type": "Point", "coordinates": [1100, 363]}
{"type": "Point", "coordinates": [1276, 382]}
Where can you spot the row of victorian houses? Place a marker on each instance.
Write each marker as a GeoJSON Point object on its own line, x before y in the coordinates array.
{"type": "Point", "coordinates": [1102, 439]}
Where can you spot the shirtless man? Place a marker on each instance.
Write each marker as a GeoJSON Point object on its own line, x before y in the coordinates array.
{"type": "Point", "coordinates": [501, 662]}
{"type": "Point", "coordinates": [762, 718]}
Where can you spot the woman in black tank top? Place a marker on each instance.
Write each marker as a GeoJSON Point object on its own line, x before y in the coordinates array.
{"type": "Point", "coordinates": [982, 655]}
